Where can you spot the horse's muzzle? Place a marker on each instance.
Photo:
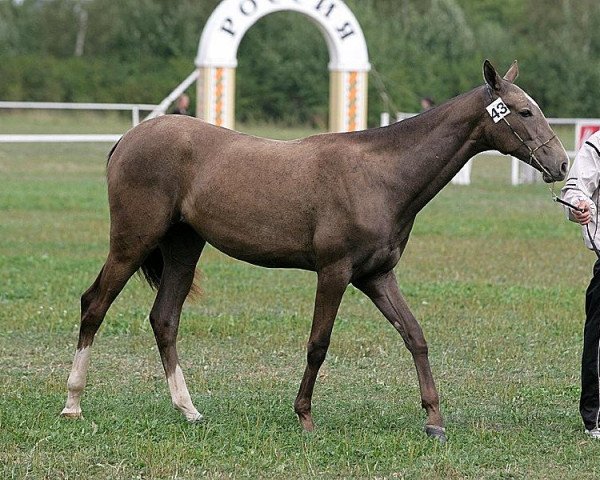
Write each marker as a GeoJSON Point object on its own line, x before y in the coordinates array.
{"type": "Point", "coordinates": [550, 177]}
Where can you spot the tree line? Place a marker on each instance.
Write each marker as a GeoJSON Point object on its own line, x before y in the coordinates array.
{"type": "Point", "coordinates": [138, 50]}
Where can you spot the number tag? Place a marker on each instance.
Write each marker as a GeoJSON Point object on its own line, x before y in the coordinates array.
{"type": "Point", "coordinates": [497, 110]}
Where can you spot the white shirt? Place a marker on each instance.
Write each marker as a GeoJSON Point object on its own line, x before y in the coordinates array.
{"type": "Point", "coordinates": [583, 183]}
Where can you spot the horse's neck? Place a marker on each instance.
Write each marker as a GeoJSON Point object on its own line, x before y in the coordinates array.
{"type": "Point", "coordinates": [430, 149]}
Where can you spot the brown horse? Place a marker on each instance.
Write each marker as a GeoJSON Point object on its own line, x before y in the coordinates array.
{"type": "Point", "coordinates": [340, 204]}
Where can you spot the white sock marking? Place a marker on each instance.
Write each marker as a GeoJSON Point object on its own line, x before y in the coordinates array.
{"type": "Point", "coordinates": [76, 382]}
{"type": "Point", "coordinates": [180, 396]}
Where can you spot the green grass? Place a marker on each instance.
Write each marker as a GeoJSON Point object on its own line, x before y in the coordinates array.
{"type": "Point", "coordinates": [494, 273]}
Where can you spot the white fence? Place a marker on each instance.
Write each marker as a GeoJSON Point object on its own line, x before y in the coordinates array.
{"type": "Point", "coordinates": [520, 172]}
{"type": "Point", "coordinates": [134, 108]}
{"type": "Point", "coordinates": [61, 138]}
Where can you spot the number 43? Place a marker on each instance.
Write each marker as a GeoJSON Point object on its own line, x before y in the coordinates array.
{"type": "Point", "coordinates": [497, 110]}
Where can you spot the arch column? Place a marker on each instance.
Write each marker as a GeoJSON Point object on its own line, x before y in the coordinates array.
{"type": "Point", "coordinates": [348, 66]}
{"type": "Point", "coordinates": [216, 96]}
{"type": "Point", "coordinates": [347, 101]}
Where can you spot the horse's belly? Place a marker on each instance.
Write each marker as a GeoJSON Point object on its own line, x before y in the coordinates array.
{"type": "Point", "coordinates": [271, 259]}
{"type": "Point", "coordinates": [266, 254]}
{"type": "Point", "coordinates": [258, 239]}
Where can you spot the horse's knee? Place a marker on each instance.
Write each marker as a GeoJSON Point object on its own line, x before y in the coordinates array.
{"type": "Point", "coordinates": [316, 352]}
{"type": "Point", "coordinates": [415, 342]}
{"type": "Point", "coordinates": [163, 321]}
{"type": "Point", "coordinates": [163, 329]}
{"type": "Point", "coordinates": [418, 348]}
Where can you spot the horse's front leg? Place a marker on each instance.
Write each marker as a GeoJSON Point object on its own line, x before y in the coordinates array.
{"type": "Point", "coordinates": [331, 285]}
{"type": "Point", "coordinates": [383, 291]}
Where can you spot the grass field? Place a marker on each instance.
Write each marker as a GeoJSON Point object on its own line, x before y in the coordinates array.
{"type": "Point", "coordinates": [494, 273]}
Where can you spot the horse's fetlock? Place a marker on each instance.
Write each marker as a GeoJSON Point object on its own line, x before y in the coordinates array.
{"type": "Point", "coordinates": [302, 407]}
{"type": "Point", "coordinates": [75, 383]}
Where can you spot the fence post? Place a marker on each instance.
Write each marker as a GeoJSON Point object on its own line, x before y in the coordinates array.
{"type": "Point", "coordinates": [384, 119]}
{"type": "Point", "coordinates": [463, 177]}
{"type": "Point", "coordinates": [514, 171]}
{"type": "Point", "coordinates": [522, 173]}
{"type": "Point", "coordinates": [135, 115]}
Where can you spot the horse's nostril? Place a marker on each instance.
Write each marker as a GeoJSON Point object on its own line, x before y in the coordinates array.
{"type": "Point", "coordinates": [564, 167]}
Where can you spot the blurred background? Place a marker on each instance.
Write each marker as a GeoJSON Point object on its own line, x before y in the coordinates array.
{"type": "Point", "coordinates": [138, 51]}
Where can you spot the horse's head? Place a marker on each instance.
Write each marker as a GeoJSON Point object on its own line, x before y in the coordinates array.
{"type": "Point", "coordinates": [516, 126]}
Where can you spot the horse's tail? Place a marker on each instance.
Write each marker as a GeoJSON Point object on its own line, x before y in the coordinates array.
{"type": "Point", "coordinates": [112, 150]}
{"type": "Point", "coordinates": [152, 268]}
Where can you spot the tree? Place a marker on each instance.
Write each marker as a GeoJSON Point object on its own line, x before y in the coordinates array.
{"type": "Point", "coordinates": [417, 47]}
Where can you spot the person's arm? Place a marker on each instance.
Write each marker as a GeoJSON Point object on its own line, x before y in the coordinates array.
{"type": "Point", "coordinates": [583, 180]}
{"type": "Point", "coordinates": [583, 215]}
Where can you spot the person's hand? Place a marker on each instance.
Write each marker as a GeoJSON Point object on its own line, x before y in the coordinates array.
{"type": "Point", "coordinates": [583, 217]}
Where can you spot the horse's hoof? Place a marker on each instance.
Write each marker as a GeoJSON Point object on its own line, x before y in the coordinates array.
{"type": "Point", "coordinates": [434, 431]}
{"type": "Point", "coordinates": [308, 428]}
{"type": "Point", "coordinates": [306, 422]}
{"type": "Point", "coordinates": [196, 418]}
{"type": "Point", "coordinates": [71, 413]}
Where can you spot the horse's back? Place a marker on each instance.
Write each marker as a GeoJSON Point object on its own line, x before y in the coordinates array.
{"type": "Point", "coordinates": [251, 197]}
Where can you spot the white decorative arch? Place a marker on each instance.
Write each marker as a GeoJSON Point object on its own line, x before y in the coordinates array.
{"type": "Point", "coordinates": [348, 65]}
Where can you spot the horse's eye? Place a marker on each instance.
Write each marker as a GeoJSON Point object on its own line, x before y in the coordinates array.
{"type": "Point", "coordinates": [526, 113]}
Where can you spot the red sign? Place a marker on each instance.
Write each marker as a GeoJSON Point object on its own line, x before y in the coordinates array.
{"type": "Point", "coordinates": [583, 132]}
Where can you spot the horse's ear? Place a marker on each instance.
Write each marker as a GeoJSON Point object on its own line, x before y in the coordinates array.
{"type": "Point", "coordinates": [513, 72]}
{"type": "Point", "coordinates": [491, 76]}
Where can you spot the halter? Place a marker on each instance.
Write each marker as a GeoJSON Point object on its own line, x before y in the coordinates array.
{"type": "Point", "coordinates": [532, 151]}
{"type": "Point", "coordinates": [533, 158]}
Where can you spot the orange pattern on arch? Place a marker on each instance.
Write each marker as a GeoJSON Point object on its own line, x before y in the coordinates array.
{"type": "Point", "coordinates": [219, 96]}
{"type": "Point", "coordinates": [352, 101]}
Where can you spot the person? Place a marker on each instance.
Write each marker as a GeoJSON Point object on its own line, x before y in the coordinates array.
{"type": "Point", "coordinates": [582, 190]}
{"type": "Point", "coordinates": [427, 103]}
{"type": "Point", "coordinates": [182, 105]}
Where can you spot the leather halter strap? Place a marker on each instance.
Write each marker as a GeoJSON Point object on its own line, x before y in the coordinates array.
{"type": "Point", "coordinates": [532, 157]}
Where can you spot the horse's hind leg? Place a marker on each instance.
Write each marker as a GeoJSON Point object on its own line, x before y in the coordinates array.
{"type": "Point", "coordinates": [383, 291]}
{"type": "Point", "coordinates": [136, 227]}
{"type": "Point", "coordinates": [181, 249]}
{"type": "Point", "coordinates": [94, 305]}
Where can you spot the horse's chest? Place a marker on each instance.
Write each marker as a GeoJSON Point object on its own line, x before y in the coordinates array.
{"type": "Point", "coordinates": [375, 261]}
